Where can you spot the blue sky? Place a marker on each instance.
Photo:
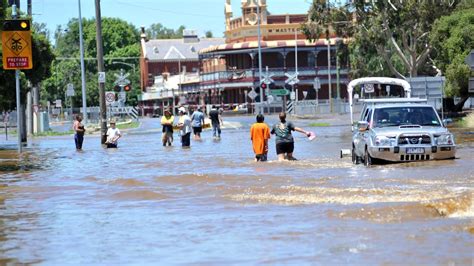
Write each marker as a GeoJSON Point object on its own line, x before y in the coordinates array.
{"type": "Point", "coordinates": [201, 15]}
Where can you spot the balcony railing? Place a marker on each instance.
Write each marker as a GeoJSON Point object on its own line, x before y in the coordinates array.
{"type": "Point", "coordinates": [235, 75]}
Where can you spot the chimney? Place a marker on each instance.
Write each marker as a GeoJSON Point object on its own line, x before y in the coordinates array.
{"type": "Point", "coordinates": [190, 36]}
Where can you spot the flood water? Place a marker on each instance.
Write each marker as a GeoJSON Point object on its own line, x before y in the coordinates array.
{"type": "Point", "coordinates": [211, 204]}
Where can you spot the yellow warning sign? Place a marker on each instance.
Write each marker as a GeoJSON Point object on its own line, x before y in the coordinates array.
{"type": "Point", "coordinates": [16, 48]}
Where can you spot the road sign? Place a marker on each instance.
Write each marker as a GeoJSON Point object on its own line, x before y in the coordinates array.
{"type": "Point", "coordinates": [317, 84]}
{"type": "Point", "coordinates": [292, 79]}
{"type": "Point", "coordinates": [123, 96]}
{"type": "Point", "coordinates": [369, 88]}
{"type": "Point", "coordinates": [122, 79]}
{"type": "Point", "coordinates": [101, 77]}
{"type": "Point", "coordinates": [58, 103]}
{"type": "Point", "coordinates": [292, 95]}
{"type": "Point", "coordinates": [109, 97]}
{"type": "Point", "coordinates": [305, 93]}
{"type": "Point", "coordinates": [279, 92]}
{"type": "Point", "coordinates": [270, 99]}
{"type": "Point", "coordinates": [70, 90]}
{"type": "Point", "coordinates": [252, 94]}
{"type": "Point", "coordinates": [16, 44]}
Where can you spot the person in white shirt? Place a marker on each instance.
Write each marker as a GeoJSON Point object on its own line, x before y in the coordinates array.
{"type": "Point", "coordinates": [184, 125]}
{"type": "Point", "coordinates": [113, 135]}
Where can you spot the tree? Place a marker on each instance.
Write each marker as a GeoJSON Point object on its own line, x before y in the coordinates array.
{"type": "Point", "coordinates": [158, 31]}
{"type": "Point", "coordinates": [399, 29]}
{"type": "Point", "coordinates": [209, 34]}
{"type": "Point", "coordinates": [121, 43]}
{"type": "Point", "coordinates": [452, 40]}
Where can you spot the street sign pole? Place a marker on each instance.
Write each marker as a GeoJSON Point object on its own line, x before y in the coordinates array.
{"type": "Point", "coordinates": [18, 107]}
{"type": "Point", "coordinates": [17, 86]}
{"type": "Point", "coordinates": [83, 71]}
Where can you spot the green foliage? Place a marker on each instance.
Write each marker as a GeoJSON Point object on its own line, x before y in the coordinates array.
{"type": "Point", "coordinates": [319, 124]}
{"type": "Point", "coordinates": [42, 60]}
{"type": "Point", "coordinates": [3, 10]}
{"type": "Point", "coordinates": [120, 42]}
{"type": "Point", "coordinates": [388, 37]}
{"type": "Point", "coordinates": [128, 125]}
{"type": "Point", "coordinates": [209, 34]}
{"type": "Point", "coordinates": [158, 31]}
{"type": "Point", "coordinates": [452, 38]}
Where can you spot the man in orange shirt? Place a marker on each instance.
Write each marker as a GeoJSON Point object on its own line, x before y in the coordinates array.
{"type": "Point", "coordinates": [260, 134]}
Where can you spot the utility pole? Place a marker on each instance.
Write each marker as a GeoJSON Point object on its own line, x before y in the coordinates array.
{"type": "Point", "coordinates": [100, 68]}
{"type": "Point", "coordinates": [83, 70]}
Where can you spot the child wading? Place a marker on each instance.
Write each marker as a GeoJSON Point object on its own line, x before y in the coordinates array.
{"type": "Point", "coordinates": [260, 134]}
{"type": "Point", "coordinates": [113, 135]}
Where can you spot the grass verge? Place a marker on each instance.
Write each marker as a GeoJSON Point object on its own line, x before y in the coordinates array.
{"type": "Point", "coordinates": [319, 124]}
{"type": "Point", "coordinates": [133, 124]}
{"type": "Point", "coordinates": [51, 133]}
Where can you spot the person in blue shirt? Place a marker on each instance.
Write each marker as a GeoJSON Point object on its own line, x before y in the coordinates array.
{"type": "Point", "coordinates": [197, 122]}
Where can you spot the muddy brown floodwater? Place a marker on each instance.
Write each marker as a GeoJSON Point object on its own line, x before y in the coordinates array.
{"type": "Point", "coordinates": [211, 204]}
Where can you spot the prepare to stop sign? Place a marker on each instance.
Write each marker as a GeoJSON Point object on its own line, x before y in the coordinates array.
{"type": "Point", "coordinates": [16, 44]}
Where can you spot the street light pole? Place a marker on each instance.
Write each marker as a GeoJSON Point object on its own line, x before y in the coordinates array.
{"type": "Point", "coordinates": [83, 70]}
{"type": "Point", "coordinates": [259, 57]}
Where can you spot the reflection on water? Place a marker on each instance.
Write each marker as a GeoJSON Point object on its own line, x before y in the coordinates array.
{"type": "Point", "coordinates": [211, 204]}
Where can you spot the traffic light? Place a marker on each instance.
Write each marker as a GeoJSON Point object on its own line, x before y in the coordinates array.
{"type": "Point", "coordinates": [117, 88]}
{"type": "Point", "coordinates": [263, 85]}
{"type": "Point", "coordinates": [16, 25]}
{"type": "Point", "coordinates": [127, 87]}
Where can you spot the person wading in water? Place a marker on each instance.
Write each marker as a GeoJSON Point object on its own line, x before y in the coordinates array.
{"type": "Point", "coordinates": [285, 144]}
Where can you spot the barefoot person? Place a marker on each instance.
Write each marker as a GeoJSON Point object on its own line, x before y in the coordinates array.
{"type": "Point", "coordinates": [197, 123]}
{"type": "Point", "coordinates": [284, 140]}
{"type": "Point", "coordinates": [216, 122]}
{"type": "Point", "coordinates": [78, 127]}
{"type": "Point", "coordinates": [184, 125]}
{"type": "Point", "coordinates": [259, 135]}
{"type": "Point", "coordinates": [167, 122]}
{"type": "Point", "coordinates": [113, 135]}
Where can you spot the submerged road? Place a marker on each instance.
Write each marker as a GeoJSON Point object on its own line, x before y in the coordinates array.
{"type": "Point", "coordinates": [211, 204]}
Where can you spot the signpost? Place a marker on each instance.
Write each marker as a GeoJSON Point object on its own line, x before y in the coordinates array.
{"type": "Point", "coordinates": [16, 50]}
{"type": "Point", "coordinates": [280, 92]}
{"type": "Point", "coordinates": [101, 77]}
{"type": "Point", "coordinates": [70, 90]}
{"type": "Point", "coordinates": [292, 79]}
{"type": "Point", "coordinates": [252, 94]}
{"type": "Point", "coordinates": [16, 44]}
{"type": "Point", "coordinates": [109, 97]}
{"type": "Point", "coordinates": [317, 87]}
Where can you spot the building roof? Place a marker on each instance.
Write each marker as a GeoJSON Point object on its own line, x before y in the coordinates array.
{"type": "Point", "coordinates": [177, 49]}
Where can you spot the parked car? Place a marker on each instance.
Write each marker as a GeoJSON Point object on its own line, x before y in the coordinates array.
{"type": "Point", "coordinates": [400, 130]}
